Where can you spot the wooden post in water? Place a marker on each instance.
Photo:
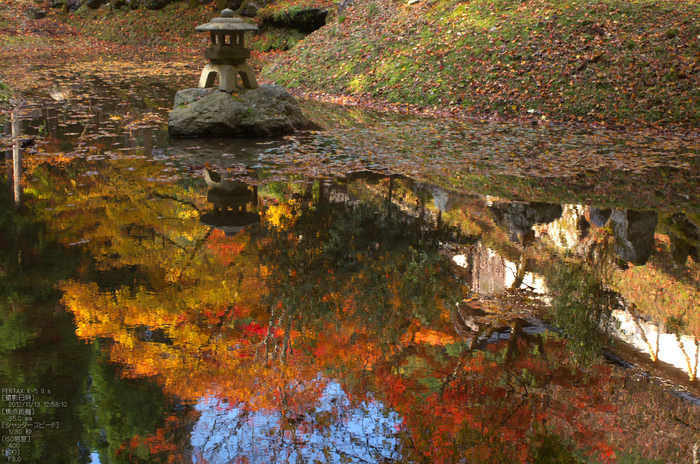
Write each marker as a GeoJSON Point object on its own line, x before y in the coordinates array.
{"type": "Point", "coordinates": [17, 159]}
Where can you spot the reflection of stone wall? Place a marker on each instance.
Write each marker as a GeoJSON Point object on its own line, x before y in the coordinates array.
{"type": "Point", "coordinates": [634, 234]}
{"type": "Point", "coordinates": [482, 270]}
{"type": "Point", "coordinates": [519, 218]}
{"type": "Point", "coordinates": [488, 271]}
{"type": "Point", "coordinates": [568, 231]}
{"type": "Point", "coordinates": [685, 238]}
{"type": "Point", "coordinates": [634, 230]}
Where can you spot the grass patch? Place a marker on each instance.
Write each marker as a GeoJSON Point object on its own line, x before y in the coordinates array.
{"type": "Point", "coordinates": [172, 26]}
{"type": "Point", "coordinates": [606, 61]}
{"type": "Point", "coordinates": [5, 94]}
{"type": "Point", "coordinates": [281, 10]}
{"type": "Point", "coordinates": [17, 43]}
{"type": "Point", "coordinates": [273, 38]}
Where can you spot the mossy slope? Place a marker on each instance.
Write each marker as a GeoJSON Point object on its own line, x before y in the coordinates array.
{"type": "Point", "coordinates": [603, 61]}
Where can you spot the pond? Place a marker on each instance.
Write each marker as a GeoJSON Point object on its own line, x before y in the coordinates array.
{"type": "Point", "coordinates": [391, 288]}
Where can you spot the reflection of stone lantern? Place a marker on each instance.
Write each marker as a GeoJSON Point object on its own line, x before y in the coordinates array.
{"type": "Point", "coordinates": [231, 209]}
{"type": "Point", "coordinates": [227, 53]}
{"type": "Point", "coordinates": [231, 200]}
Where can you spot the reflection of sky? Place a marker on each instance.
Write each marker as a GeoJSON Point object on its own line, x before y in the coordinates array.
{"type": "Point", "coordinates": [331, 431]}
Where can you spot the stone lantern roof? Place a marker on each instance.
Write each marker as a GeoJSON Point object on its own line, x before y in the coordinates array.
{"type": "Point", "coordinates": [226, 23]}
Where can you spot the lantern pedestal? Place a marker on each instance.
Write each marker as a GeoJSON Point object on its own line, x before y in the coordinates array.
{"type": "Point", "coordinates": [229, 111]}
{"type": "Point", "coordinates": [227, 76]}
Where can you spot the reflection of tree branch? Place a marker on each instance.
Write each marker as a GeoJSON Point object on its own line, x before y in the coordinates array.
{"type": "Point", "coordinates": [525, 396]}
{"type": "Point", "coordinates": [268, 337]}
{"type": "Point", "coordinates": [513, 350]}
{"type": "Point", "coordinates": [218, 325]}
{"type": "Point", "coordinates": [519, 380]}
{"type": "Point", "coordinates": [414, 447]}
{"type": "Point", "coordinates": [164, 237]}
{"type": "Point", "coordinates": [654, 354]}
{"type": "Point", "coordinates": [194, 250]}
{"type": "Point", "coordinates": [513, 412]}
{"type": "Point", "coordinates": [347, 455]}
{"type": "Point", "coordinates": [167, 239]}
{"type": "Point", "coordinates": [177, 200]}
{"type": "Point", "coordinates": [540, 345]}
{"type": "Point", "coordinates": [521, 270]}
{"type": "Point", "coordinates": [285, 344]}
{"type": "Point", "coordinates": [451, 377]}
{"type": "Point", "coordinates": [373, 450]}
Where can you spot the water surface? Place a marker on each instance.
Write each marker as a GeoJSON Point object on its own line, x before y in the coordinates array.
{"type": "Point", "coordinates": [389, 289]}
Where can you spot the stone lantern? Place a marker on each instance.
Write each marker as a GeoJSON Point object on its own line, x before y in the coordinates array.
{"type": "Point", "coordinates": [227, 54]}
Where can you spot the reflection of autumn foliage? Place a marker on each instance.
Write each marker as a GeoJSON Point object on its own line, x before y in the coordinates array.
{"type": "Point", "coordinates": [224, 248]}
{"type": "Point", "coordinates": [265, 319]}
{"type": "Point", "coordinates": [165, 445]}
{"type": "Point", "coordinates": [663, 292]}
{"type": "Point", "coordinates": [481, 406]}
{"type": "Point", "coordinates": [463, 407]}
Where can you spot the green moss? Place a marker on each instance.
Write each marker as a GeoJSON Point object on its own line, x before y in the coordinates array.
{"type": "Point", "coordinates": [5, 93]}
{"type": "Point", "coordinates": [507, 57]}
{"type": "Point", "coordinates": [170, 26]}
{"type": "Point", "coordinates": [283, 9]}
{"type": "Point", "coordinates": [273, 38]}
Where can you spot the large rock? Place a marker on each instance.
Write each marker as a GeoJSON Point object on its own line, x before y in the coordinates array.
{"type": "Point", "coordinates": [35, 13]}
{"type": "Point", "coordinates": [156, 4]}
{"type": "Point", "coordinates": [250, 7]}
{"type": "Point", "coordinates": [306, 20]}
{"type": "Point", "coordinates": [267, 111]}
{"type": "Point", "coordinates": [72, 5]}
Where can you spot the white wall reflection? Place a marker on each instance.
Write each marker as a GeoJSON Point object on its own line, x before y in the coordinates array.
{"type": "Point", "coordinates": [488, 273]}
{"type": "Point", "coordinates": [680, 351]}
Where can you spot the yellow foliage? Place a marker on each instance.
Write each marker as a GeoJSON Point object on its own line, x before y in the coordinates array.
{"type": "Point", "coordinates": [281, 215]}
